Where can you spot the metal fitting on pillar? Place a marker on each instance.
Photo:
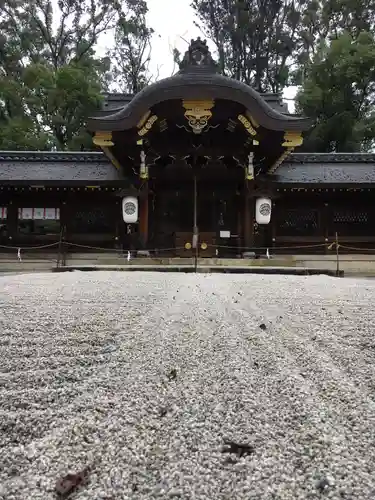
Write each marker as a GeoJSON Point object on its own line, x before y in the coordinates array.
{"type": "Point", "coordinates": [143, 171]}
{"type": "Point", "coordinates": [250, 168]}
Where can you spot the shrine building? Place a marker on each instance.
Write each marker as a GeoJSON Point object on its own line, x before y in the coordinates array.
{"type": "Point", "coordinates": [197, 163]}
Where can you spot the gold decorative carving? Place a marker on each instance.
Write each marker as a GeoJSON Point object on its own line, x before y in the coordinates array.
{"type": "Point", "coordinates": [249, 170]}
{"type": "Point", "coordinates": [103, 139]}
{"type": "Point", "coordinates": [143, 120]}
{"type": "Point", "coordinates": [113, 159]}
{"type": "Point", "coordinates": [253, 122]}
{"type": "Point", "coordinates": [148, 125]}
{"type": "Point", "coordinates": [279, 161]}
{"type": "Point", "coordinates": [198, 114]}
{"type": "Point", "coordinates": [143, 171]}
{"type": "Point", "coordinates": [292, 139]}
{"type": "Point", "coordinates": [246, 123]}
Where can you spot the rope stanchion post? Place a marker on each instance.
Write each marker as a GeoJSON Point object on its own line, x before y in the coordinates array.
{"type": "Point", "coordinates": [336, 245]}
{"type": "Point", "coordinates": [59, 251]}
{"type": "Point", "coordinates": [337, 255]}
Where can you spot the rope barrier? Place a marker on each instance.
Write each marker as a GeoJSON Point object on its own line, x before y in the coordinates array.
{"type": "Point", "coordinates": [267, 248]}
{"type": "Point", "coordinates": [330, 246]}
{"type": "Point", "coordinates": [121, 250]}
{"type": "Point", "coordinates": [355, 249]}
{"type": "Point", "coordinates": [50, 245]}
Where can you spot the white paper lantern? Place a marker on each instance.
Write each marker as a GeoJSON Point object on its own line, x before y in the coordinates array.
{"type": "Point", "coordinates": [263, 209]}
{"type": "Point", "coordinates": [130, 209]}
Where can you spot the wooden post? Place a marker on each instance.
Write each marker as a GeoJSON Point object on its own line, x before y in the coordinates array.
{"type": "Point", "coordinates": [326, 225]}
{"type": "Point", "coordinates": [12, 222]}
{"type": "Point", "coordinates": [143, 217]}
{"type": "Point", "coordinates": [240, 239]}
{"type": "Point", "coordinates": [337, 254]}
{"type": "Point", "coordinates": [273, 226]}
{"type": "Point", "coordinates": [248, 216]}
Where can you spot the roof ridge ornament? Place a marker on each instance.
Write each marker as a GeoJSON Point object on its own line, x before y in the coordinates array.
{"type": "Point", "coordinates": [198, 57]}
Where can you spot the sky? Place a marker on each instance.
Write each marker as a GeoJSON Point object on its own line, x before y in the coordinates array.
{"type": "Point", "coordinates": [173, 22]}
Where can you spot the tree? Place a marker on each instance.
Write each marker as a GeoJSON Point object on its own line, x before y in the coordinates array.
{"type": "Point", "coordinates": [256, 40]}
{"type": "Point", "coordinates": [131, 53]}
{"type": "Point", "coordinates": [339, 93]}
{"type": "Point", "coordinates": [50, 77]}
{"type": "Point", "coordinates": [350, 16]}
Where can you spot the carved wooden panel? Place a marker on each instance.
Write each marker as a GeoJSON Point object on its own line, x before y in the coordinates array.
{"type": "Point", "coordinates": [350, 216]}
{"type": "Point", "coordinates": [297, 222]}
{"type": "Point", "coordinates": [92, 220]}
{"type": "Point", "coordinates": [352, 221]}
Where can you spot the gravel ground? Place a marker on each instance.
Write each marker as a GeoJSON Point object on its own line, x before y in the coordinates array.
{"type": "Point", "coordinates": [143, 376]}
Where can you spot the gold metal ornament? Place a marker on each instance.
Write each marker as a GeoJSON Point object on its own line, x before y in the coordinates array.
{"type": "Point", "coordinates": [147, 126]}
{"type": "Point", "coordinates": [279, 161]}
{"type": "Point", "coordinates": [103, 139]}
{"type": "Point", "coordinates": [246, 123]}
{"type": "Point", "coordinates": [143, 171]}
{"type": "Point", "coordinates": [292, 139]}
{"type": "Point", "coordinates": [143, 120]}
{"type": "Point", "coordinates": [254, 123]}
{"type": "Point", "coordinates": [249, 170]}
{"type": "Point", "coordinates": [198, 113]}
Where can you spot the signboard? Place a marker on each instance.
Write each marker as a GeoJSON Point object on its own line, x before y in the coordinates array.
{"type": "Point", "coordinates": [224, 234]}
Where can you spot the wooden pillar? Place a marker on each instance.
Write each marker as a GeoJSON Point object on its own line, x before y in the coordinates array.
{"type": "Point", "coordinates": [240, 239]}
{"type": "Point", "coordinates": [143, 217]}
{"type": "Point", "coordinates": [325, 221]}
{"type": "Point", "coordinates": [64, 216]}
{"type": "Point", "coordinates": [273, 225]}
{"type": "Point", "coordinates": [12, 221]}
{"type": "Point", "coordinates": [248, 217]}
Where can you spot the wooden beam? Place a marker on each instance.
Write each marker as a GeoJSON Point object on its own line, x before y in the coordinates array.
{"type": "Point", "coordinates": [113, 159]}
{"type": "Point", "coordinates": [248, 216]}
{"type": "Point", "coordinates": [144, 216]}
{"type": "Point", "coordinates": [272, 169]}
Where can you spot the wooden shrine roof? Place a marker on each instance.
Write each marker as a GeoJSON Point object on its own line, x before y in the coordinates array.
{"type": "Point", "coordinates": [327, 168]}
{"type": "Point", "coordinates": [56, 167]}
{"type": "Point", "coordinates": [61, 168]}
{"type": "Point", "coordinates": [198, 79]}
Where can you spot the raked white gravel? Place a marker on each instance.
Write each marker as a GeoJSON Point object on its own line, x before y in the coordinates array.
{"type": "Point", "coordinates": [142, 376]}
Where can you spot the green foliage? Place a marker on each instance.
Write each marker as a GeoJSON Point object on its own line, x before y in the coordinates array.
{"type": "Point", "coordinates": [131, 53]}
{"type": "Point", "coordinates": [255, 40]}
{"type": "Point", "coordinates": [50, 76]}
{"type": "Point", "coordinates": [324, 46]}
{"type": "Point", "coordinates": [338, 91]}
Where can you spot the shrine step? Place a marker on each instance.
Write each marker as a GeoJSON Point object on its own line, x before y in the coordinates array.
{"type": "Point", "coordinates": [351, 264]}
{"type": "Point", "coordinates": [76, 260]}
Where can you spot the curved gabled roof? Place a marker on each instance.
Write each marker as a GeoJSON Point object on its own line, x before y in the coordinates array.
{"type": "Point", "coordinates": [198, 80]}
